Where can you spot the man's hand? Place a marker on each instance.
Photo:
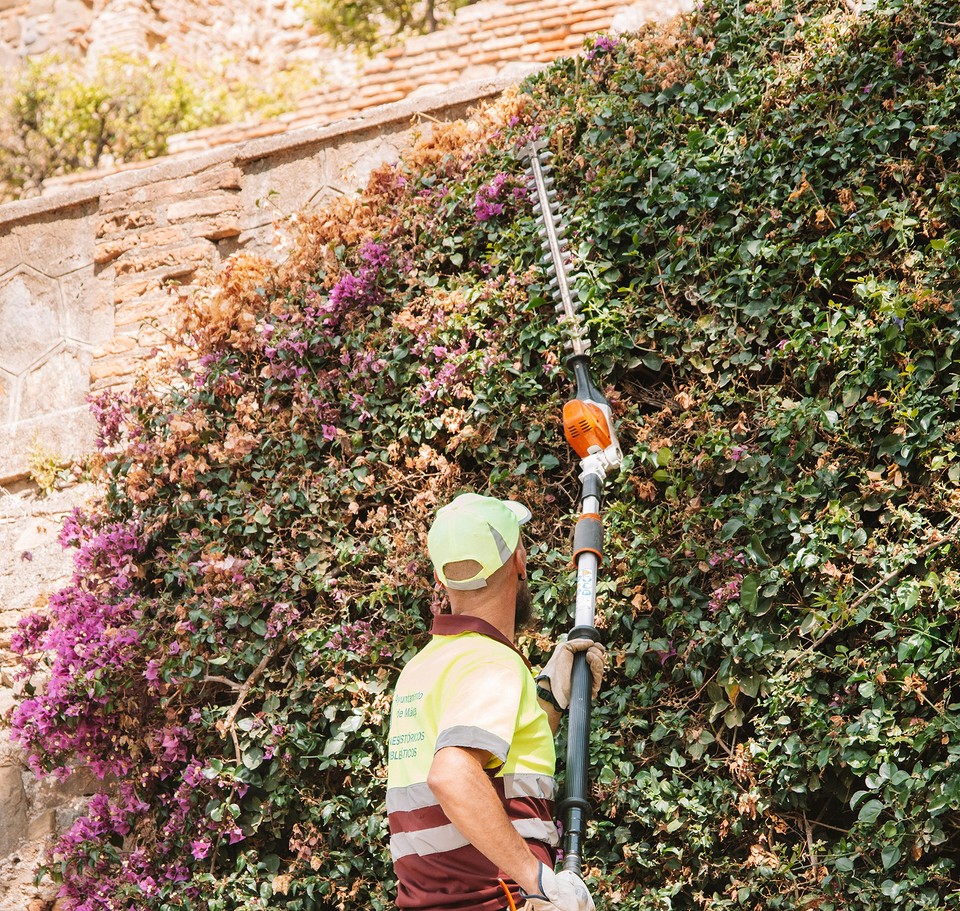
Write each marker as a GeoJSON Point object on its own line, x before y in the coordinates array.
{"type": "Point", "coordinates": [560, 666]}
{"type": "Point", "coordinates": [563, 891]}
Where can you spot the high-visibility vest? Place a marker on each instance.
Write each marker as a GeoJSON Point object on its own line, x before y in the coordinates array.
{"type": "Point", "coordinates": [468, 688]}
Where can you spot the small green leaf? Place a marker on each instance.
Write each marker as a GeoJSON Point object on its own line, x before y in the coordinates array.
{"type": "Point", "coordinates": [889, 856]}
{"type": "Point", "coordinates": [870, 811]}
{"type": "Point", "coordinates": [754, 550]}
{"type": "Point", "coordinates": [730, 528]}
{"type": "Point", "coordinates": [253, 757]}
{"type": "Point", "coordinates": [844, 863]}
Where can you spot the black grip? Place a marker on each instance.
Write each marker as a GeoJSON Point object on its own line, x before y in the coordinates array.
{"type": "Point", "coordinates": [576, 803]}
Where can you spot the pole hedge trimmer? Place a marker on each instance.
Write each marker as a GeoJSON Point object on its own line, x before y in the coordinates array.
{"type": "Point", "coordinates": [589, 429]}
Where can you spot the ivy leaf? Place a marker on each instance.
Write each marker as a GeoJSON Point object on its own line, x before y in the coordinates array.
{"type": "Point", "coordinates": [870, 811]}
{"type": "Point", "coordinates": [252, 757]}
{"type": "Point", "coordinates": [890, 856]}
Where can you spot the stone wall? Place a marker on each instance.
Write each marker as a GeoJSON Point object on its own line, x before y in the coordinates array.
{"type": "Point", "coordinates": [257, 34]}
{"type": "Point", "coordinates": [490, 39]}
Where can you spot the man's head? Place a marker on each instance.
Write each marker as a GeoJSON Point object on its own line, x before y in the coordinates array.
{"type": "Point", "coordinates": [476, 550]}
{"type": "Point", "coordinates": [474, 533]}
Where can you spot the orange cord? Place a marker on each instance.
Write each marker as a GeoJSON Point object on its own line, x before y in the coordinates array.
{"type": "Point", "coordinates": [503, 885]}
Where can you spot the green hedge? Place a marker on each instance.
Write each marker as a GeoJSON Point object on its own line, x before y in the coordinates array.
{"type": "Point", "coordinates": [762, 202]}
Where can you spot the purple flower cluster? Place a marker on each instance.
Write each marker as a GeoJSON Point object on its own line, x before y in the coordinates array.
{"type": "Point", "coordinates": [89, 636]}
{"type": "Point", "coordinates": [359, 638]}
{"type": "Point", "coordinates": [109, 410]}
{"type": "Point", "coordinates": [282, 617]}
{"type": "Point", "coordinates": [357, 291]}
{"type": "Point", "coordinates": [486, 203]}
{"type": "Point", "coordinates": [730, 589]}
{"type": "Point", "coordinates": [293, 343]}
{"type": "Point", "coordinates": [450, 378]}
{"type": "Point", "coordinates": [145, 871]}
{"type": "Point", "coordinates": [603, 45]}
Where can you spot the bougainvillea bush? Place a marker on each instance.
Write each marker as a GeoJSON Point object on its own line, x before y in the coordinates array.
{"type": "Point", "coordinates": [763, 207]}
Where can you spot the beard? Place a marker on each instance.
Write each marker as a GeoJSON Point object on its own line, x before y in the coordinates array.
{"type": "Point", "coordinates": [523, 615]}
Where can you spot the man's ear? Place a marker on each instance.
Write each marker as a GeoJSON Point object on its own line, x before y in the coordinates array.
{"type": "Point", "coordinates": [520, 561]}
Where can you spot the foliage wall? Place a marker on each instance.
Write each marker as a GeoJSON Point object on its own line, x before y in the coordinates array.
{"type": "Point", "coordinates": [763, 204]}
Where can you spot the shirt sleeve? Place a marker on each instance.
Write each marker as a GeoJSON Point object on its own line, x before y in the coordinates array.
{"type": "Point", "coordinates": [479, 707]}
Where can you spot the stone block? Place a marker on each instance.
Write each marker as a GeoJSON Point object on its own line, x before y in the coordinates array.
{"type": "Point", "coordinates": [358, 170]}
{"type": "Point", "coordinates": [217, 228]}
{"type": "Point", "coordinates": [59, 383]}
{"type": "Point", "coordinates": [10, 254]}
{"type": "Point", "coordinates": [150, 337]}
{"type": "Point", "coordinates": [112, 371]}
{"type": "Point", "coordinates": [150, 306]}
{"type": "Point", "coordinates": [173, 263]}
{"type": "Point", "coordinates": [140, 198]}
{"type": "Point", "coordinates": [119, 345]}
{"type": "Point", "coordinates": [69, 432]}
{"type": "Point", "coordinates": [161, 237]}
{"type": "Point", "coordinates": [281, 186]}
{"type": "Point", "coordinates": [87, 307]}
{"type": "Point", "coordinates": [58, 242]}
{"type": "Point", "coordinates": [42, 826]}
{"type": "Point", "coordinates": [30, 323]}
{"type": "Point", "coordinates": [110, 250]}
{"type": "Point", "coordinates": [131, 289]}
{"type": "Point", "coordinates": [13, 799]}
{"type": "Point", "coordinates": [123, 221]}
{"type": "Point", "coordinates": [9, 618]}
{"type": "Point", "coordinates": [222, 177]}
{"type": "Point", "coordinates": [204, 207]}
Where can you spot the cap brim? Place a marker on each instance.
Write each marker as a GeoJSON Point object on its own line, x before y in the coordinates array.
{"type": "Point", "coordinates": [519, 510]}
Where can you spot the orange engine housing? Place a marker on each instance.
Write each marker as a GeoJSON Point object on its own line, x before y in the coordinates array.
{"type": "Point", "coordinates": [585, 426]}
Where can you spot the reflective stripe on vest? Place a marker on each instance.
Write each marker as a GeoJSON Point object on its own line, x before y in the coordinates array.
{"type": "Point", "coordinates": [448, 838]}
{"type": "Point", "coordinates": [419, 796]}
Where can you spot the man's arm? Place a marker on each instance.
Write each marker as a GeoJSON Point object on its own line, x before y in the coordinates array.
{"type": "Point", "coordinates": [553, 713]}
{"type": "Point", "coordinates": [470, 802]}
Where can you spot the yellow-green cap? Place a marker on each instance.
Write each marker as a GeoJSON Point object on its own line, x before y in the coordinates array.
{"type": "Point", "coordinates": [474, 527]}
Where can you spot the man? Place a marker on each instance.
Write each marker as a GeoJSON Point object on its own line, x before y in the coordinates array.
{"type": "Point", "coordinates": [470, 787]}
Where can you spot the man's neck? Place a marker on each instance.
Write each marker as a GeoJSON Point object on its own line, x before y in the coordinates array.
{"type": "Point", "coordinates": [489, 610]}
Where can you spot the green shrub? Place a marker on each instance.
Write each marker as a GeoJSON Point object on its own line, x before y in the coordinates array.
{"type": "Point", "coordinates": [371, 25]}
{"type": "Point", "coordinates": [762, 201]}
{"type": "Point", "coordinates": [57, 119]}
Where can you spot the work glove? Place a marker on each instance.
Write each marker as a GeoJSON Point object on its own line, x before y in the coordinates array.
{"type": "Point", "coordinates": [556, 673]}
{"type": "Point", "coordinates": [563, 891]}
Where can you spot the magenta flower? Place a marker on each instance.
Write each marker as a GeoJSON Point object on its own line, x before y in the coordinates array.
{"type": "Point", "coordinates": [486, 203]}
{"type": "Point", "coordinates": [200, 849]}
